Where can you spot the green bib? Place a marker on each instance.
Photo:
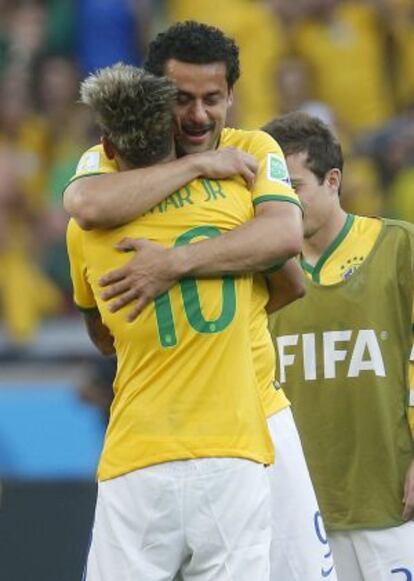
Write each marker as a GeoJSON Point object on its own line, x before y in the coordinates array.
{"type": "Point", "coordinates": [343, 355]}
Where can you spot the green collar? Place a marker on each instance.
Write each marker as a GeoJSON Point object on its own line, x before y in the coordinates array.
{"type": "Point", "coordinates": [315, 271]}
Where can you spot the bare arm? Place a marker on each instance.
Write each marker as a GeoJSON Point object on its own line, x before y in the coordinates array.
{"type": "Point", "coordinates": [274, 234]}
{"type": "Point", "coordinates": [285, 286]}
{"type": "Point", "coordinates": [110, 200]}
{"type": "Point", "coordinates": [98, 332]}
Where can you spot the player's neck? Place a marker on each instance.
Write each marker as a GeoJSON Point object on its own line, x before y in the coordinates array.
{"type": "Point", "coordinates": [315, 246]}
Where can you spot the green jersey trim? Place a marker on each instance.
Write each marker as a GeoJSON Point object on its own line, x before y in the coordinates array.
{"type": "Point", "coordinates": [86, 309]}
{"type": "Point", "coordinates": [276, 198]}
{"type": "Point", "coordinates": [84, 175]}
{"type": "Point", "coordinates": [315, 271]}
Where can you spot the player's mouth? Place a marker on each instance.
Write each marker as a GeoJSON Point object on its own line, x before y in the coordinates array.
{"type": "Point", "coordinates": [197, 135]}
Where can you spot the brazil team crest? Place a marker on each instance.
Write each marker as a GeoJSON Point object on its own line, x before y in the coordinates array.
{"type": "Point", "coordinates": [351, 266]}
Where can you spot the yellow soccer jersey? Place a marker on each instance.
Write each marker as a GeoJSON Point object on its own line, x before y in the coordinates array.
{"type": "Point", "coordinates": [340, 260]}
{"type": "Point", "coordinates": [272, 184]}
{"type": "Point", "coordinates": [185, 384]}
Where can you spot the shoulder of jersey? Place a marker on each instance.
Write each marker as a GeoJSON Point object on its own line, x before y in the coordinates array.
{"type": "Point", "coordinates": [94, 160]}
{"type": "Point", "coordinates": [240, 137]}
{"type": "Point", "coordinates": [402, 224]}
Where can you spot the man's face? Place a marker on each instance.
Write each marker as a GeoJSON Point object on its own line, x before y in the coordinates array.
{"type": "Point", "coordinates": [202, 104]}
{"type": "Point", "coordinates": [318, 200]}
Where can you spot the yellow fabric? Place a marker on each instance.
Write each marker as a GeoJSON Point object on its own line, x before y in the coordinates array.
{"type": "Point", "coordinates": [362, 191]}
{"type": "Point", "coordinates": [256, 98]}
{"type": "Point", "coordinates": [185, 384]}
{"type": "Point", "coordinates": [93, 161]}
{"type": "Point", "coordinates": [22, 169]}
{"type": "Point", "coordinates": [273, 397]}
{"type": "Point", "coordinates": [347, 58]}
{"type": "Point", "coordinates": [265, 149]}
{"type": "Point", "coordinates": [344, 259]}
{"type": "Point", "coordinates": [26, 295]}
{"type": "Point", "coordinates": [401, 199]}
{"type": "Point", "coordinates": [402, 30]}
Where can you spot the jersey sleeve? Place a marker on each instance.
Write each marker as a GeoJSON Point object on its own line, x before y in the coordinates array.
{"type": "Point", "coordinates": [83, 296]}
{"type": "Point", "coordinates": [94, 162]}
{"type": "Point", "coordinates": [272, 181]}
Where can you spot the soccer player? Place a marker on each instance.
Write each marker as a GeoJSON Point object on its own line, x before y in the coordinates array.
{"type": "Point", "coordinates": [343, 356]}
{"type": "Point", "coordinates": [182, 484]}
{"type": "Point", "coordinates": [204, 65]}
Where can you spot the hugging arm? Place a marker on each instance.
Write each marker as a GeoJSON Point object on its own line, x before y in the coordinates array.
{"type": "Point", "coordinates": [113, 199]}
{"type": "Point", "coordinates": [98, 332]}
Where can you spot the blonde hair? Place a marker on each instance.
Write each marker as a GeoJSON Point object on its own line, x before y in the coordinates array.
{"type": "Point", "coordinates": [133, 109]}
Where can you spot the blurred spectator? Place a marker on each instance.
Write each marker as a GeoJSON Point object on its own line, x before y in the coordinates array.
{"type": "Point", "coordinates": [344, 44]}
{"type": "Point", "coordinates": [26, 295]}
{"type": "Point", "coordinates": [294, 87]}
{"type": "Point", "coordinates": [361, 191]}
{"type": "Point", "coordinates": [26, 34]}
{"type": "Point", "coordinates": [399, 15]}
{"type": "Point", "coordinates": [61, 26]}
{"type": "Point", "coordinates": [109, 31]}
{"type": "Point", "coordinates": [293, 84]}
{"type": "Point", "coordinates": [69, 131]}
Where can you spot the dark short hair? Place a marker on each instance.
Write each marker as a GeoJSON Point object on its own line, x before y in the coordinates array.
{"type": "Point", "coordinates": [299, 132]}
{"type": "Point", "coordinates": [195, 43]}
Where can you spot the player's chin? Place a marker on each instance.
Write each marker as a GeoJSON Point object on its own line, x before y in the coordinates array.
{"type": "Point", "coordinates": [188, 146]}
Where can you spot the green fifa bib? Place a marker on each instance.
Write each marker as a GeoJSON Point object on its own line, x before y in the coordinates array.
{"type": "Point", "coordinates": [343, 355]}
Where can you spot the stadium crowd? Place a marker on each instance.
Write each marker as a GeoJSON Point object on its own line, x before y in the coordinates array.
{"type": "Point", "coordinates": [347, 61]}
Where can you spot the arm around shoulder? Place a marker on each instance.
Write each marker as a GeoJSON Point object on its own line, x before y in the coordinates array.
{"type": "Point", "coordinates": [274, 234]}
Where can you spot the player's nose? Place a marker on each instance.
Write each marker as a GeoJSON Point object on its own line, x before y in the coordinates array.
{"type": "Point", "coordinates": [198, 113]}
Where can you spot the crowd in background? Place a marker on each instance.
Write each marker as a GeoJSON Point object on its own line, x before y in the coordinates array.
{"type": "Point", "coordinates": [349, 61]}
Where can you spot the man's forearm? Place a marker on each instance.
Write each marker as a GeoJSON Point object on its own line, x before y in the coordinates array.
{"type": "Point", "coordinates": [285, 286]}
{"type": "Point", "coordinates": [274, 234]}
{"type": "Point", "coordinates": [99, 333]}
{"type": "Point", "coordinates": [110, 200]}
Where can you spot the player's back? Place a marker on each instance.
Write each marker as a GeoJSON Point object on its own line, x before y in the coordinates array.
{"type": "Point", "coordinates": [185, 385]}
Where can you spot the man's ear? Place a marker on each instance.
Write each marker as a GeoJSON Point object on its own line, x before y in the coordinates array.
{"type": "Point", "coordinates": [108, 147]}
{"type": "Point", "coordinates": [334, 178]}
{"type": "Point", "coordinates": [230, 97]}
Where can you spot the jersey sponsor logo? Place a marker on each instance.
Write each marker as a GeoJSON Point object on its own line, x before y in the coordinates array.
{"type": "Point", "coordinates": [277, 170]}
{"type": "Point", "coordinates": [89, 162]}
{"type": "Point", "coordinates": [346, 352]}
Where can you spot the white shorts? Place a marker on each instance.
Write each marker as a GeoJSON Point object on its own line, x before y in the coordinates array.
{"type": "Point", "coordinates": [206, 520]}
{"type": "Point", "coordinates": [300, 549]}
{"type": "Point", "coordinates": [374, 555]}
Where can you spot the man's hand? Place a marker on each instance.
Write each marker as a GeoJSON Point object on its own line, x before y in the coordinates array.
{"type": "Point", "coordinates": [408, 499]}
{"type": "Point", "coordinates": [149, 274]}
{"type": "Point", "coordinates": [227, 163]}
